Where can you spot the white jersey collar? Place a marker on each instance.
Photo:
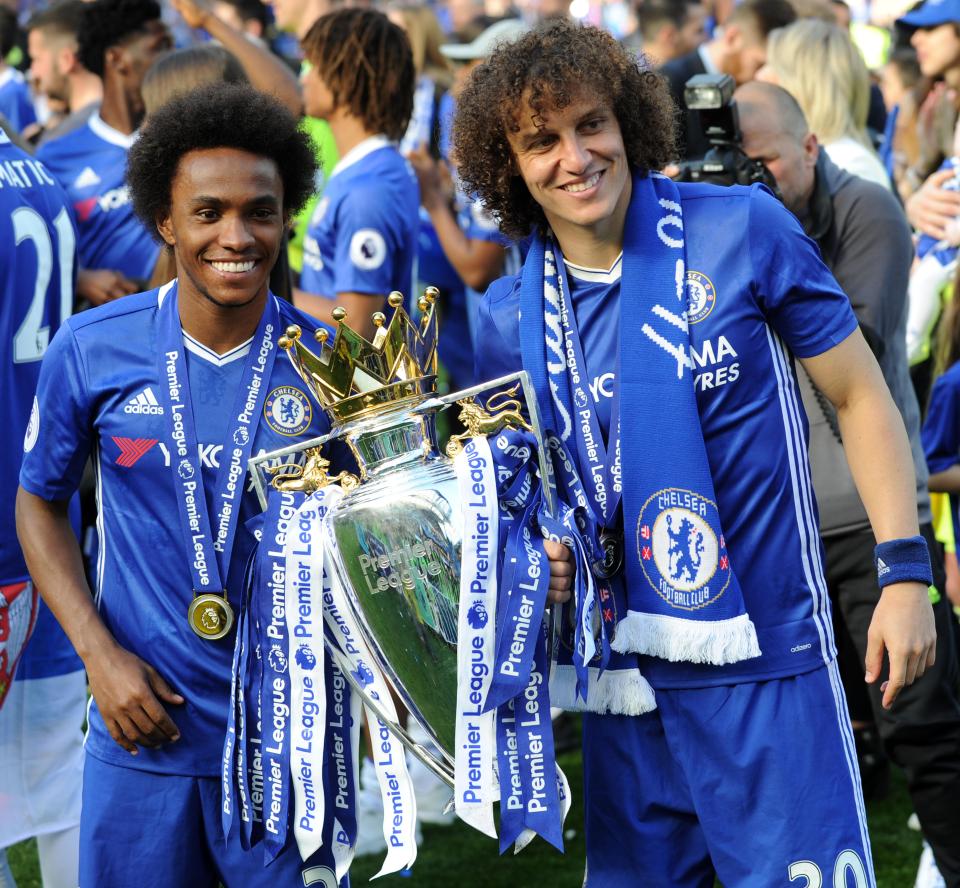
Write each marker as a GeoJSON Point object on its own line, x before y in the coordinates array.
{"type": "Point", "coordinates": [195, 347]}
{"type": "Point", "coordinates": [360, 151]}
{"type": "Point", "coordinates": [596, 275]}
{"type": "Point", "coordinates": [109, 134]}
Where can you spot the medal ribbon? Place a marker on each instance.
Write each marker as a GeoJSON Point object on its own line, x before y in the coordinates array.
{"type": "Point", "coordinates": [207, 554]}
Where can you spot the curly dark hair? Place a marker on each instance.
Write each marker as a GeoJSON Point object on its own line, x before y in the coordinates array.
{"type": "Point", "coordinates": [219, 115]}
{"type": "Point", "coordinates": [547, 69]}
{"type": "Point", "coordinates": [106, 23]}
{"type": "Point", "coordinates": [366, 62]}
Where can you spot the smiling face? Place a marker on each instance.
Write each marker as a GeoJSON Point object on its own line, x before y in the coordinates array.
{"type": "Point", "coordinates": [574, 163]}
{"type": "Point", "coordinates": [225, 225]}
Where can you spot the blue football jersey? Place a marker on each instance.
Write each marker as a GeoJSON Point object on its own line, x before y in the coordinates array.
{"type": "Point", "coordinates": [15, 102]}
{"type": "Point", "coordinates": [90, 163]}
{"type": "Point", "coordinates": [758, 295]}
{"type": "Point", "coordinates": [363, 234]}
{"type": "Point", "coordinates": [100, 396]}
{"type": "Point", "coordinates": [37, 273]}
{"type": "Point", "coordinates": [941, 430]}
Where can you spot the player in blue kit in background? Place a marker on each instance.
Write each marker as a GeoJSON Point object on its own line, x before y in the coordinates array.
{"type": "Point", "coordinates": [118, 40]}
{"type": "Point", "coordinates": [361, 243]}
{"type": "Point", "coordinates": [42, 715]}
{"type": "Point", "coordinates": [716, 741]}
{"type": "Point", "coordinates": [15, 102]}
{"type": "Point", "coordinates": [163, 390]}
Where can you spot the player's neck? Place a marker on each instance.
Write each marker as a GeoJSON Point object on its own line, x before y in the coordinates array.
{"type": "Point", "coordinates": [596, 245]}
{"type": "Point", "coordinates": [348, 131]}
{"type": "Point", "coordinates": [85, 88]}
{"type": "Point", "coordinates": [220, 328]}
{"type": "Point", "coordinates": [116, 112]}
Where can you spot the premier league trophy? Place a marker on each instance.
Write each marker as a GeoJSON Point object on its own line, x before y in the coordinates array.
{"type": "Point", "coordinates": [413, 580]}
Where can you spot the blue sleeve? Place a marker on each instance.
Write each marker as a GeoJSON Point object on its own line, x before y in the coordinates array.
{"type": "Point", "coordinates": [497, 332]}
{"type": "Point", "coordinates": [371, 240]}
{"type": "Point", "coordinates": [59, 438]}
{"type": "Point", "coordinates": [941, 428]}
{"type": "Point", "coordinates": [796, 292]}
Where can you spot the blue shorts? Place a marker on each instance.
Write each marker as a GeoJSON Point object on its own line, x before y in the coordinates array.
{"type": "Point", "coordinates": [756, 783]}
{"type": "Point", "coordinates": [163, 831]}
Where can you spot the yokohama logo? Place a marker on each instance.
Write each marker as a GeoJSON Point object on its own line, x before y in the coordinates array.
{"type": "Point", "coordinates": [131, 449]}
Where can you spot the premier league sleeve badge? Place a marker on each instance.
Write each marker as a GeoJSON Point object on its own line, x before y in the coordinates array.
{"type": "Point", "coordinates": [683, 556]}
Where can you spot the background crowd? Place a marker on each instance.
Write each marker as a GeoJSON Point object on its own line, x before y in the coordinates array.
{"type": "Point", "coordinates": [852, 108]}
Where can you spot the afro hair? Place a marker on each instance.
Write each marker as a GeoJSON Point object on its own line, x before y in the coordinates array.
{"type": "Point", "coordinates": [220, 115]}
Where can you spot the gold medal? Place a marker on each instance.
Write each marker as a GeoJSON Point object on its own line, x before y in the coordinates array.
{"type": "Point", "coordinates": [210, 616]}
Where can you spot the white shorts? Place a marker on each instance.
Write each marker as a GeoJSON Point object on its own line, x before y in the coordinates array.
{"type": "Point", "coordinates": [41, 748]}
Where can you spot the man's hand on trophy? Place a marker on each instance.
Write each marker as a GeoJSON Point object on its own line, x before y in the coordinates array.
{"type": "Point", "coordinates": [561, 572]}
{"type": "Point", "coordinates": [130, 695]}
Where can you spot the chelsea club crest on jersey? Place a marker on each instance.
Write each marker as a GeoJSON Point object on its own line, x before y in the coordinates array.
{"type": "Point", "coordinates": [682, 556]}
{"type": "Point", "coordinates": [701, 296]}
{"type": "Point", "coordinates": [287, 410]}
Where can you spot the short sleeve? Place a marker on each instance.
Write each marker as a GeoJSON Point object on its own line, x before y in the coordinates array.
{"type": "Point", "coordinates": [370, 243]}
{"type": "Point", "coordinates": [796, 291]}
{"type": "Point", "coordinates": [498, 354]}
{"type": "Point", "coordinates": [941, 428]}
{"type": "Point", "coordinates": [60, 430]}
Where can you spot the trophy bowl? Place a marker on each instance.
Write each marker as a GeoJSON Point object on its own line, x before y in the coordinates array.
{"type": "Point", "coordinates": [396, 535]}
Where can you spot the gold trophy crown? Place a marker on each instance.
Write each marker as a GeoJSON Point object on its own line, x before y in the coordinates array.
{"type": "Point", "coordinates": [353, 375]}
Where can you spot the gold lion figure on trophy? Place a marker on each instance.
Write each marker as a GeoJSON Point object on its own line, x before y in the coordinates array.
{"type": "Point", "coordinates": [311, 476]}
{"type": "Point", "coordinates": [490, 420]}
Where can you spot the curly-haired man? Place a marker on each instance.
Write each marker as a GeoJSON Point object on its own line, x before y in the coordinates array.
{"type": "Point", "coordinates": [170, 392]}
{"type": "Point", "coordinates": [660, 323]}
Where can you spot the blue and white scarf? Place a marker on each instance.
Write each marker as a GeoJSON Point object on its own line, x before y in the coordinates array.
{"type": "Point", "coordinates": [683, 599]}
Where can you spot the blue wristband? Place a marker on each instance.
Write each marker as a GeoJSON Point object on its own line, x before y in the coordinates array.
{"type": "Point", "coordinates": [903, 561]}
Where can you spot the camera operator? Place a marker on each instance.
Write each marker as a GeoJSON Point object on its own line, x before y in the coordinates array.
{"type": "Point", "coordinates": [865, 241]}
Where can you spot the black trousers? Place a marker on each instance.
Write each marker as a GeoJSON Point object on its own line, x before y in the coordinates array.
{"type": "Point", "coordinates": [921, 732]}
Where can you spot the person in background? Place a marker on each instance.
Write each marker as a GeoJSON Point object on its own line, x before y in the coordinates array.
{"type": "Point", "coordinates": [668, 29]}
{"type": "Point", "coordinates": [56, 69]}
{"type": "Point", "coordinates": [434, 75]}
{"type": "Point", "coordinates": [247, 16]}
{"type": "Point", "coordinates": [118, 40]}
{"type": "Point", "coordinates": [297, 17]}
{"type": "Point", "coordinates": [473, 252]}
{"type": "Point", "coordinates": [15, 102]}
{"type": "Point", "coordinates": [264, 70]}
{"type": "Point", "coordinates": [42, 710]}
{"type": "Point", "coordinates": [362, 239]}
{"type": "Point", "coordinates": [820, 67]}
{"type": "Point", "coordinates": [904, 89]}
{"type": "Point", "coordinates": [864, 240]}
{"type": "Point", "coordinates": [739, 49]}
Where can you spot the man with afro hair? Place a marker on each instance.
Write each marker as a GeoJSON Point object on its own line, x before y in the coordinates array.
{"type": "Point", "coordinates": [170, 392]}
{"type": "Point", "coordinates": [117, 41]}
{"type": "Point", "coordinates": [660, 323]}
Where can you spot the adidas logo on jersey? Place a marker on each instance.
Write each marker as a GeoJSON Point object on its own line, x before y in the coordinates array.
{"type": "Point", "coordinates": [145, 402]}
{"type": "Point", "coordinates": [86, 179]}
